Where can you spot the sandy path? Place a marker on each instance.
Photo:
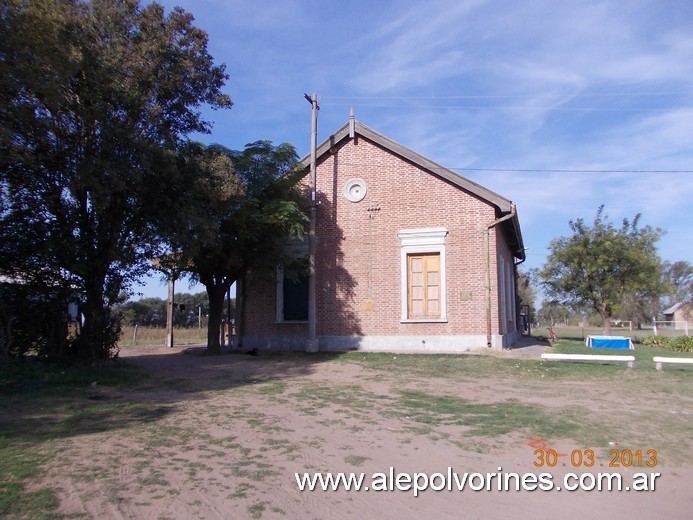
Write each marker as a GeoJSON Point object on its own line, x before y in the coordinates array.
{"type": "Point", "coordinates": [232, 431]}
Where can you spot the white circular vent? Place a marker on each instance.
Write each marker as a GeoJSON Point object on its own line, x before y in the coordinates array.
{"type": "Point", "coordinates": [355, 190]}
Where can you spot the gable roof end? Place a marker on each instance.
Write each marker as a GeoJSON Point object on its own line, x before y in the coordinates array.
{"type": "Point", "coordinates": [503, 205]}
{"type": "Point", "coordinates": [675, 307]}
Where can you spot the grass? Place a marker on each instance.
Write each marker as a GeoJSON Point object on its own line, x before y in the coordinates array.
{"type": "Point", "coordinates": [255, 511]}
{"type": "Point", "coordinates": [642, 353]}
{"type": "Point", "coordinates": [19, 463]}
{"type": "Point", "coordinates": [621, 416]}
{"type": "Point", "coordinates": [29, 379]}
{"type": "Point", "coordinates": [275, 387]}
{"type": "Point", "coordinates": [36, 504]}
{"type": "Point", "coordinates": [355, 460]}
{"type": "Point", "coordinates": [470, 366]}
{"type": "Point", "coordinates": [40, 404]}
{"type": "Point", "coordinates": [498, 419]}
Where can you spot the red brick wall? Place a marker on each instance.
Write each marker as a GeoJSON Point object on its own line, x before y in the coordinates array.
{"type": "Point", "coordinates": [357, 245]}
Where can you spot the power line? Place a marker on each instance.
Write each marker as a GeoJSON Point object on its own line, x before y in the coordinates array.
{"type": "Point", "coordinates": [602, 94]}
{"type": "Point", "coordinates": [511, 107]}
{"type": "Point", "coordinates": [516, 97]}
{"type": "Point", "coordinates": [538, 170]}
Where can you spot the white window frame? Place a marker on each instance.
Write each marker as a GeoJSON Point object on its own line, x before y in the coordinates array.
{"type": "Point", "coordinates": [422, 241]}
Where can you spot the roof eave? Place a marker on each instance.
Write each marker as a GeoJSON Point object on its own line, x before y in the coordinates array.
{"type": "Point", "coordinates": [517, 242]}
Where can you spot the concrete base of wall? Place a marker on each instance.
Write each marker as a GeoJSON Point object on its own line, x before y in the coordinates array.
{"type": "Point", "coordinates": [394, 344]}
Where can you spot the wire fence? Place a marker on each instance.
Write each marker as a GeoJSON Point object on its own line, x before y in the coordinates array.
{"type": "Point", "coordinates": [132, 336]}
{"type": "Point", "coordinates": [665, 329]}
{"type": "Point", "coordinates": [671, 328]}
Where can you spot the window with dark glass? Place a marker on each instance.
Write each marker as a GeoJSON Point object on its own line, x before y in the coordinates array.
{"type": "Point", "coordinates": [295, 298]}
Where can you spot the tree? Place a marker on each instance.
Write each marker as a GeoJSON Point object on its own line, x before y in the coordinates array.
{"type": "Point", "coordinates": [552, 312]}
{"type": "Point", "coordinates": [526, 283]}
{"type": "Point", "coordinates": [679, 278]}
{"type": "Point", "coordinates": [151, 312]}
{"type": "Point", "coordinates": [600, 266]}
{"type": "Point", "coordinates": [642, 305]}
{"type": "Point", "coordinates": [97, 97]}
{"type": "Point", "coordinates": [240, 209]}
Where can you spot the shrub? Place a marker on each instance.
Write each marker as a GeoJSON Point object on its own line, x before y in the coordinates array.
{"type": "Point", "coordinates": [679, 344]}
{"type": "Point", "coordinates": [33, 322]}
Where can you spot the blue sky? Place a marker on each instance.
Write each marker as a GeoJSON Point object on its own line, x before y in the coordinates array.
{"type": "Point", "coordinates": [559, 106]}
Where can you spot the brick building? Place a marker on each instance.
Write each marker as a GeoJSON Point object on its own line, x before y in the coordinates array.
{"type": "Point", "coordinates": [680, 315]}
{"type": "Point", "coordinates": [406, 253]}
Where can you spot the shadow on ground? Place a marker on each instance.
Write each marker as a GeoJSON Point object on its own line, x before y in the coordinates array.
{"type": "Point", "coordinates": [196, 371]}
{"type": "Point", "coordinates": [50, 404]}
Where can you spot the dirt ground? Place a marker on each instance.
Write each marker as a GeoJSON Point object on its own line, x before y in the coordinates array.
{"type": "Point", "coordinates": [222, 437]}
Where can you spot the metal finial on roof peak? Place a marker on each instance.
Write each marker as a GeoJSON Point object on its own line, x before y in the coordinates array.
{"type": "Point", "coordinates": [352, 124]}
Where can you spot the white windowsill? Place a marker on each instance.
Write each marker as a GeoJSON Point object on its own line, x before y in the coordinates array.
{"type": "Point", "coordinates": [425, 320]}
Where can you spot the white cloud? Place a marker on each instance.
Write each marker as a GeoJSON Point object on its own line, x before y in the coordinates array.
{"type": "Point", "coordinates": [417, 48]}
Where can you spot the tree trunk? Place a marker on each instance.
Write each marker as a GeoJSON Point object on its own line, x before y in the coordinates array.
{"type": "Point", "coordinates": [240, 311]}
{"type": "Point", "coordinates": [216, 294]}
{"type": "Point", "coordinates": [605, 313]}
{"type": "Point", "coordinates": [95, 339]}
{"type": "Point", "coordinates": [5, 331]}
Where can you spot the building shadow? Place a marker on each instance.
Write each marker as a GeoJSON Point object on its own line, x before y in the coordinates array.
{"type": "Point", "coordinates": [338, 326]}
{"type": "Point", "coordinates": [153, 383]}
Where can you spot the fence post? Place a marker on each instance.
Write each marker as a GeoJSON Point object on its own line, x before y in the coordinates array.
{"type": "Point", "coordinates": [654, 322]}
{"type": "Point", "coordinates": [134, 336]}
{"type": "Point", "coordinates": [222, 339]}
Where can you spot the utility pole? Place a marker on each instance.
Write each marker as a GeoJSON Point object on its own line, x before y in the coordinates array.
{"type": "Point", "coordinates": [312, 341]}
{"type": "Point", "coordinates": [169, 308]}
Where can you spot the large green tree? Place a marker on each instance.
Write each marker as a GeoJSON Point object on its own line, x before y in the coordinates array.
{"type": "Point", "coordinates": [602, 265]}
{"type": "Point", "coordinates": [239, 211]}
{"type": "Point", "coordinates": [96, 99]}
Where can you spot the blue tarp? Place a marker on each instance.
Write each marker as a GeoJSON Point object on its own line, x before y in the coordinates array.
{"type": "Point", "coordinates": [616, 342]}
